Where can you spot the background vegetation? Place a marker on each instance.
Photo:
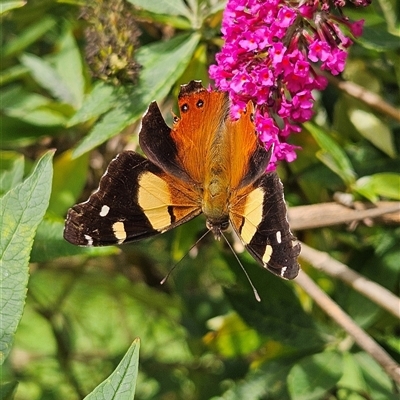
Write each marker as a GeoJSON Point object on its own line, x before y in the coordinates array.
{"type": "Point", "coordinates": [203, 335]}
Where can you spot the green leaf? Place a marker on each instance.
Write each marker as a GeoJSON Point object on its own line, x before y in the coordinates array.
{"type": "Point", "coordinates": [12, 74]}
{"type": "Point", "coordinates": [7, 390]}
{"type": "Point", "coordinates": [17, 133]}
{"type": "Point", "coordinates": [352, 377]}
{"type": "Point", "coordinates": [168, 59]}
{"type": "Point", "coordinates": [45, 117]}
{"type": "Point", "coordinates": [121, 384]}
{"type": "Point", "coordinates": [47, 77]}
{"type": "Point", "coordinates": [374, 130]}
{"type": "Point", "coordinates": [266, 382]}
{"type": "Point", "coordinates": [32, 108]}
{"type": "Point", "coordinates": [332, 155]}
{"type": "Point", "coordinates": [169, 7]}
{"type": "Point", "coordinates": [380, 386]}
{"type": "Point", "coordinates": [363, 187]}
{"type": "Point", "coordinates": [10, 5]}
{"type": "Point", "coordinates": [230, 329]}
{"type": "Point", "coordinates": [68, 64]}
{"type": "Point", "coordinates": [197, 67]}
{"type": "Point", "coordinates": [68, 181]}
{"type": "Point", "coordinates": [377, 38]}
{"type": "Point", "coordinates": [314, 376]}
{"type": "Point", "coordinates": [50, 244]}
{"type": "Point", "coordinates": [16, 101]}
{"type": "Point", "coordinates": [13, 176]}
{"type": "Point", "coordinates": [279, 315]}
{"type": "Point", "coordinates": [101, 99]}
{"type": "Point", "coordinates": [23, 208]}
{"type": "Point", "coordinates": [162, 63]}
{"type": "Point", "coordinates": [385, 184]}
{"type": "Point", "coordinates": [363, 311]}
{"type": "Point", "coordinates": [28, 36]}
{"type": "Point", "coordinates": [111, 124]}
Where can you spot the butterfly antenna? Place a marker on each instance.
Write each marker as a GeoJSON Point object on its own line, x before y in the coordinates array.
{"type": "Point", "coordinates": [194, 245]}
{"type": "Point", "coordinates": [256, 295]}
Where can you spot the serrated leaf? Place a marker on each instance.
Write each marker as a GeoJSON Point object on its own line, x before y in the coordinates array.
{"type": "Point", "coordinates": [68, 181]}
{"type": "Point", "coordinates": [23, 208]}
{"type": "Point", "coordinates": [332, 155]}
{"type": "Point", "coordinates": [50, 244]}
{"type": "Point", "coordinates": [12, 177]}
{"type": "Point", "coordinates": [373, 129]}
{"type": "Point", "coordinates": [162, 64]}
{"type": "Point", "coordinates": [47, 77]}
{"type": "Point", "coordinates": [121, 384]}
{"type": "Point", "coordinates": [314, 376]}
{"type": "Point", "coordinates": [72, 76]}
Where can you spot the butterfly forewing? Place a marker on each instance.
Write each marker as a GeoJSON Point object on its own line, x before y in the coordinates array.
{"type": "Point", "coordinates": [134, 201]}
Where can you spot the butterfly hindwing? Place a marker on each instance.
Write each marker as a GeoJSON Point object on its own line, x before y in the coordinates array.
{"type": "Point", "coordinates": [135, 200]}
{"type": "Point", "coordinates": [259, 217]}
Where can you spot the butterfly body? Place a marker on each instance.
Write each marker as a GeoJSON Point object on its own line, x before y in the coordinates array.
{"type": "Point", "coordinates": [206, 163]}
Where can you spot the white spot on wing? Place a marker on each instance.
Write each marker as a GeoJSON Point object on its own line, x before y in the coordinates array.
{"type": "Point", "coordinates": [279, 236]}
{"type": "Point", "coordinates": [119, 231]}
{"type": "Point", "coordinates": [283, 270]}
{"type": "Point", "coordinates": [267, 254]}
{"type": "Point", "coordinates": [89, 240]}
{"type": "Point", "coordinates": [104, 211]}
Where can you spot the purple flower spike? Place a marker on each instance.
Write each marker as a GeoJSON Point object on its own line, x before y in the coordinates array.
{"type": "Point", "coordinates": [268, 56]}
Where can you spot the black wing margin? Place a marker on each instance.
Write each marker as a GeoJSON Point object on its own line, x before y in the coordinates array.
{"type": "Point", "coordinates": [260, 219]}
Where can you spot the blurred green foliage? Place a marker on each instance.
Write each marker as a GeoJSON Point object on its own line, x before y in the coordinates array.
{"type": "Point", "coordinates": [202, 333]}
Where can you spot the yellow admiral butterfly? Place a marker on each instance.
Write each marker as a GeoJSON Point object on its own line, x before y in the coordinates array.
{"type": "Point", "coordinates": [207, 163]}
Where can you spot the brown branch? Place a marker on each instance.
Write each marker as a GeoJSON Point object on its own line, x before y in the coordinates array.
{"type": "Point", "coordinates": [377, 293]}
{"type": "Point", "coordinates": [360, 337]}
{"type": "Point", "coordinates": [328, 214]}
{"type": "Point", "coordinates": [371, 99]}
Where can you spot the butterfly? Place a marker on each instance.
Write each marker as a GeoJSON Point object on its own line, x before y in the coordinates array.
{"type": "Point", "coordinates": [206, 163]}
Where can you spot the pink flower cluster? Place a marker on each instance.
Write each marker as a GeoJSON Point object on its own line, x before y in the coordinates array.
{"type": "Point", "coordinates": [267, 57]}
